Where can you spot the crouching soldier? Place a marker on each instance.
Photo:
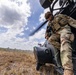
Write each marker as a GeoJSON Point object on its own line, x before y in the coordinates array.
{"type": "Point", "coordinates": [61, 38]}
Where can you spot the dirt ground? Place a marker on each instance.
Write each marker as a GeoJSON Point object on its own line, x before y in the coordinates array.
{"type": "Point", "coordinates": [17, 63]}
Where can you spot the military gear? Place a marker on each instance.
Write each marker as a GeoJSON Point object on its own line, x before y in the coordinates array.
{"type": "Point", "coordinates": [61, 26]}
{"type": "Point", "coordinates": [60, 21]}
{"type": "Point", "coordinates": [48, 54]}
{"type": "Point", "coordinates": [42, 54]}
{"type": "Point", "coordinates": [54, 38]}
{"type": "Point", "coordinates": [48, 32]}
{"type": "Point", "coordinates": [69, 10]}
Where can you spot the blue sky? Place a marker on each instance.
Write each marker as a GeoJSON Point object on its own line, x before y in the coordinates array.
{"type": "Point", "coordinates": [18, 18]}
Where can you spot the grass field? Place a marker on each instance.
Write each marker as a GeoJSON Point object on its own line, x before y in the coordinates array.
{"type": "Point", "coordinates": [15, 62]}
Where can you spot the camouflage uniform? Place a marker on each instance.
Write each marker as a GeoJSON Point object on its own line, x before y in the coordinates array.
{"type": "Point", "coordinates": [62, 38]}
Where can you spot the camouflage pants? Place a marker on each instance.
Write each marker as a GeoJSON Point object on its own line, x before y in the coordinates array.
{"type": "Point", "coordinates": [65, 48]}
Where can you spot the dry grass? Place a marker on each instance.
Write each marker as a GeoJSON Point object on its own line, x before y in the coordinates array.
{"type": "Point", "coordinates": [17, 63]}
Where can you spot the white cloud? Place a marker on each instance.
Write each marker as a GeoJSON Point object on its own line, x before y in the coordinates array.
{"type": "Point", "coordinates": [21, 34]}
{"type": "Point", "coordinates": [42, 18]}
{"type": "Point", "coordinates": [38, 35]}
{"type": "Point", "coordinates": [11, 13]}
{"type": "Point", "coordinates": [33, 40]}
{"type": "Point", "coordinates": [13, 16]}
{"type": "Point", "coordinates": [26, 28]}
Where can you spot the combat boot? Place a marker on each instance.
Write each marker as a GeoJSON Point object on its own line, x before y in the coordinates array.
{"type": "Point", "coordinates": [68, 72]}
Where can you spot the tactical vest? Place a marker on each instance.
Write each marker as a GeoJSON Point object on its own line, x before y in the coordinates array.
{"type": "Point", "coordinates": [58, 23]}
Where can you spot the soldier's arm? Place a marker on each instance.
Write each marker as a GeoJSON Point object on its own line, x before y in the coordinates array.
{"type": "Point", "coordinates": [48, 32]}
{"type": "Point", "coordinates": [71, 21]}
{"type": "Point", "coordinates": [46, 36]}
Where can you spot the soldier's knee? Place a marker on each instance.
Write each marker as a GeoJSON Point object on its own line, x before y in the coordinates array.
{"type": "Point", "coordinates": [64, 40]}
{"type": "Point", "coordinates": [51, 39]}
{"type": "Point", "coordinates": [67, 38]}
{"type": "Point", "coordinates": [72, 37]}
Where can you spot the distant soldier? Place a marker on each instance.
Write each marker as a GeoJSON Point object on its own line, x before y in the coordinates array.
{"type": "Point", "coordinates": [61, 37]}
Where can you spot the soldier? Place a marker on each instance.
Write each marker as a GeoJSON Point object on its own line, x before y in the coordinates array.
{"type": "Point", "coordinates": [61, 37]}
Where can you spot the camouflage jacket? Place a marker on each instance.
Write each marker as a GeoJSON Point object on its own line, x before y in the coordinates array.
{"type": "Point", "coordinates": [59, 22]}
